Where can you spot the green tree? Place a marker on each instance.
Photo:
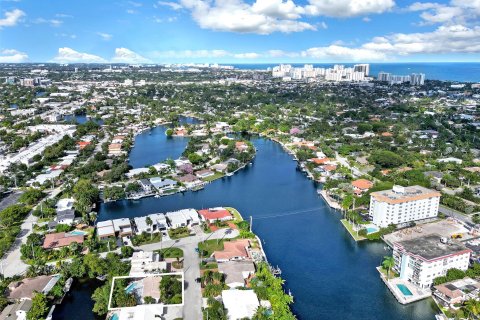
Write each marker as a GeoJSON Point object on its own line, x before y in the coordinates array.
{"type": "Point", "coordinates": [149, 222]}
{"type": "Point", "coordinates": [39, 307]}
{"type": "Point", "coordinates": [388, 263]}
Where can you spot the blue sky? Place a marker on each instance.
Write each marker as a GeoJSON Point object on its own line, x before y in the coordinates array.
{"type": "Point", "coordinates": [239, 31]}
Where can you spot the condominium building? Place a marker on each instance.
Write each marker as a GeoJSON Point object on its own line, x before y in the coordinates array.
{"type": "Point", "coordinates": [423, 259]}
{"type": "Point", "coordinates": [403, 204]}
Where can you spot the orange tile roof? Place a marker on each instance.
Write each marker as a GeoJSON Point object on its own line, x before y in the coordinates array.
{"type": "Point", "coordinates": [362, 184]}
{"type": "Point", "coordinates": [320, 160]}
{"type": "Point", "coordinates": [233, 249]}
{"type": "Point", "coordinates": [61, 239]}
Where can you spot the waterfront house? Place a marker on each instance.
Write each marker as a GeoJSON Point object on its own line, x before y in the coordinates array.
{"type": "Point", "coordinates": [422, 259]}
{"type": "Point", "coordinates": [241, 146]}
{"type": "Point", "coordinates": [220, 167]}
{"type": "Point", "coordinates": [134, 172]}
{"type": "Point", "coordinates": [240, 304]}
{"type": "Point", "coordinates": [205, 173]}
{"type": "Point", "coordinates": [159, 221]}
{"type": "Point", "coordinates": [233, 250]}
{"type": "Point", "coordinates": [236, 273]}
{"type": "Point", "coordinates": [162, 185]}
{"type": "Point", "coordinates": [17, 311]}
{"type": "Point", "coordinates": [105, 229]}
{"type": "Point", "coordinates": [61, 239]}
{"type": "Point", "coordinates": [114, 149]}
{"type": "Point", "coordinates": [142, 226]}
{"type": "Point", "coordinates": [456, 292]}
{"type": "Point", "coordinates": [190, 181]}
{"type": "Point", "coordinates": [26, 288]}
{"type": "Point", "coordinates": [122, 227]}
{"type": "Point", "coordinates": [146, 185]}
{"type": "Point", "coordinates": [176, 219]}
{"type": "Point", "coordinates": [215, 214]}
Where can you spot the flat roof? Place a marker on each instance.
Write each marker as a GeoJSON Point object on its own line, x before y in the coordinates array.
{"type": "Point", "coordinates": [404, 194]}
{"type": "Point", "coordinates": [430, 247]}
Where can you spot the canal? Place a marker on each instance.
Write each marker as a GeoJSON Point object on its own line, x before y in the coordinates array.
{"type": "Point", "coordinates": [330, 275]}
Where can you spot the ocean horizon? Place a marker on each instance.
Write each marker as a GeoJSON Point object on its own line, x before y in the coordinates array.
{"type": "Point", "coordinates": [444, 71]}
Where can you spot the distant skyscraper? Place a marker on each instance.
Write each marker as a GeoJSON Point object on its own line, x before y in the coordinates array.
{"type": "Point", "coordinates": [384, 76]}
{"type": "Point", "coordinates": [417, 79]}
{"type": "Point", "coordinates": [365, 68]}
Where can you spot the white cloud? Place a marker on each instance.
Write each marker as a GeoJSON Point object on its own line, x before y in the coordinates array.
{"type": "Point", "coordinates": [135, 4]}
{"type": "Point", "coordinates": [340, 53]}
{"type": "Point", "coordinates": [52, 22]}
{"type": "Point", "coordinates": [131, 11]}
{"type": "Point", "coordinates": [366, 19]}
{"type": "Point", "coordinates": [124, 55]}
{"type": "Point", "coordinates": [11, 18]}
{"type": "Point", "coordinates": [12, 56]}
{"type": "Point", "coordinates": [247, 55]}
{"type": "Point", "coordinates": [445, 39]}
{"type": "Point", "coordinates": [170, 4]}
{"type": "Point", "coordinates": [455, 12]}
{"type": "Point", "coordinates": [191, 54]}
{"type": "Point", "coordinates": [238, 16]}
{"type": "Point", "coordinates": [348, 8]}
{"type": "Point", "coordinates": [105, 36]}
{"type": "Point", "coordinates": [68, 55]}
{"type": "Point", "coordinates": [66, 35]}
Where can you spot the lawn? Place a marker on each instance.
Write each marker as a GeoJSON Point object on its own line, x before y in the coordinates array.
{"type": "Point", "coordinates": [178, 233]}
{"type": "Point", "coordinates": [171, 253]}
{"type": "Point", "coordinates": [216, 176]}
{"type": "Point", "coordinates": [146, 238]}
{"type": "Point", "coordinates": [209, 246]}
{"type": "Point", "coordinates": [350, 230]}
{"type": "Point", "coordinates": [236, 215]}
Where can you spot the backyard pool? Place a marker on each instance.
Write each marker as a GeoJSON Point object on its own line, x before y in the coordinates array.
{"type": "Point", "coordinates": [371, 230]}
{"type": "Point", "coordinates": [131, 287]}
{"type": "Point", "coordinates": [403, 288]}
{"type": "Point", "coordinates": [77, 233]}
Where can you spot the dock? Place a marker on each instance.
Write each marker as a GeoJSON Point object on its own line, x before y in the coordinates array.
{"type": "Point", "coordinates": [332, 203]}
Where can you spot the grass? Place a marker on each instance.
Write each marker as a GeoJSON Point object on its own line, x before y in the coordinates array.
{"type": "Point", "coordinates": [392, 275]}
{"type": "Point", "coordinates": [236, 215]}
{"type": "Point", "coordinates": [146, 238]}
{"type": "Point", "coordinates": [171, 253]}
{"type": "Point", "coordinates": [209, 246]}
{"type": "Point", "coordinates": [350, 230]}
{"type": "Point", "coordinates": [216, 176]}
{"type": "Point", "coordinates": [208, 266]}
{"type": "Point", "coordinates": [178, 233]}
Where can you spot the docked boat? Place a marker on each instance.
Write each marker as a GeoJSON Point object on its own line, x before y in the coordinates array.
{"type": "Point", "coordinates": [229, 174]}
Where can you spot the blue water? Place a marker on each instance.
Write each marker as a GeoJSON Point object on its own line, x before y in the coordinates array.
{"type": "Point", "coordinates": [404, 290]}
{"type": "Point", "coordinates": [447, 71]}
{"type": "Point", "coordinates": [132, 286]}
{"type": "Point", "coordinates": [77, 304]}
{"type": "Point", "coordinates": [330, 275]}
{"type": "Point", "coordinates": [371, 230]}
{"type": "Point", "coordinates": [81, 119]}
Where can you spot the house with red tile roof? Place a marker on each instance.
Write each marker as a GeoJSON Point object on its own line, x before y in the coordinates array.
{"type": "Point", "coordinates": [361, 185]}
{"type": "Point", "coordinates": [216, 214]}
{"type": "Point", "coordinates": [319, 161]}
{"type": "Point", "coordinates": [83, 144]}
{"type": "Point", "coordinates": [61, 239]}
{"type": "Point", "coordinates": [233, 250]}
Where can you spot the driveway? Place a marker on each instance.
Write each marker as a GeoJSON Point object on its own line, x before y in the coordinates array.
{"type": "Point", "coordinates": [454, 214]}
{"type": "Point", "coordinates": [192, 309]}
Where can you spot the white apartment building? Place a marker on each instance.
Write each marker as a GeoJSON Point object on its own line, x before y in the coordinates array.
{"type": "Point", "coordinates": [423, 259]}
{"type": "Point", "coordinates": [403, 204]}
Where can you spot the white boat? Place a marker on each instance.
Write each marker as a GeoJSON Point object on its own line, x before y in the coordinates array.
{"type": "Point", "coordinates": [229, 174]}
{"type": "Point", "coordinates": [157, 196]}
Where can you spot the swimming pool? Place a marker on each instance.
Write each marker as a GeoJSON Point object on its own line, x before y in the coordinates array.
{"type": "Point", "coordinates": [114, 317]}
{"type": "Point", "coordinates": [77, 233]}
{"type": "Point", "coordinates": [131, 287]}
{"type": "Point", "coordinates": [371, 230]}
{"type": "Point", "coordinates": [403, 288]}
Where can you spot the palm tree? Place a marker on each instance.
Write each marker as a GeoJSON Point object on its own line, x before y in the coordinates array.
{"type": "Point", "coordinates": [150, 223]}
{"type": "Point", "coordinates": [472, 307]}
{"type": "Point", "coordinates": [388, 263]}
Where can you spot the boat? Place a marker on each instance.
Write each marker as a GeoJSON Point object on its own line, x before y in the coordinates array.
{"type": "Point", "coordinates": [68, 285]}
{"type": "Point", "coordinates": [229, 174]}
{"type": "Point", "coordinates": [157, 196]}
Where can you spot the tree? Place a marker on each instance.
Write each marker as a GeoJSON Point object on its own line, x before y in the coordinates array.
{"type": "Point", "coordinates": [85, 194]}
{"type": "Point", "coordinates": [386, 159]}
{"type": "Point", "coordinates": [31, 196]}
{"type": "Point", "coordinates": [388, 263]}
{"type": "Point", "coordinates": [39, 307]}
{"type": "Point", "coordinates": [149, 222]}
{"type": "Point", "coordinates": [169, 132]}
{"type": "Point", "coordinates": [170, 290]}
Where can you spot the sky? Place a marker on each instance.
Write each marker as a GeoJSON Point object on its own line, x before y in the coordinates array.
{"type": "Point", "coordinates": [239, 31]}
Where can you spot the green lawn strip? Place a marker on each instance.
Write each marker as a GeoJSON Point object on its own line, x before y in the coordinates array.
{"type": "Point", "coordinates": [350, 230]}
{"type": "Point", "coordinates": [236, 215]}
{"type": "Point", "coordinates": [171, 253]}
{"type": "Point", "coordinates": [216, 176]}
{"type": "Point", "coordinates": [208, 247]}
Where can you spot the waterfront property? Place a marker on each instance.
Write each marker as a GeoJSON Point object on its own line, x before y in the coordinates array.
{"type": "Point", "coordinates": [240, 304]}
{"type": "Point", "coordinates": [403, 204]}
{"type": "Point", "coordinates": [422, 259]}
{"type": "Point", "coordinates": [456, 292]}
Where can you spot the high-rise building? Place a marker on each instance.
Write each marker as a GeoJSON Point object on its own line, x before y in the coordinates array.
{"type": "Point", "coordinates": [365, 68]}
{"type": "Point", "coordinates": [403, 204]}
{"type": "Point", "coordinates": [384, 76]}
{"type": "Point", "coordinates": [417, 79]}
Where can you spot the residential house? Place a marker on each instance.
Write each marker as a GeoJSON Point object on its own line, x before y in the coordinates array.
{"type": "Point", "coordinates": [105, 229]}
{"type": "Point", "coordinates": [61, 239]}
{"type": "Point", "coordinates": [146, 185]}
{"type": "Point", "coordinates": [361, 186]}
{"type": "Point", "coordinates": [122, 227]}
{"type": "Point", "coordinates": [17, 311]}
{"type": "Point", "coordinates": [65, 216]}
{"type": "Point", "coordinates": [240, 304]}
{"type": "Point", "coordinates": [233, 250]}
{"type": "Point", "coordinates": [236, 273]}
{"type": "Point", "coordinates": [456, 292]}
{"type": "Point", "coordinates": [215, 214]}
{"type": "Point", "coordinates": [26, 288]}
{"type": "Point", "coordinates": [205, 173]}
{"type": "Point", "coordinates": [147, 262]}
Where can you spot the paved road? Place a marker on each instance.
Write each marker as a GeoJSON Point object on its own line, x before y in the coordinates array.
{"type": "Point", "coordinates": [10, 199]}
{"type": "Point", "coordinates": [11, 263]}
{"type": "Point", "coordinates": [192, 309]}
{"type": "Point", "coordinates": [454, 214]}
{"type": "Point", "coordinates": [344, 162]}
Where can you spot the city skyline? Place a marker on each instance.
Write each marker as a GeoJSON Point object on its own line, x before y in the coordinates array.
{"type": "Point", "coordinates": [236, 31]}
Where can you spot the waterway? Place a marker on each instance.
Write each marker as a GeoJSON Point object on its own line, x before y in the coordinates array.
{"type": "Point", "coordinates": [330, 275]}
